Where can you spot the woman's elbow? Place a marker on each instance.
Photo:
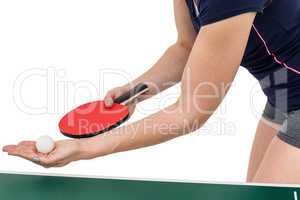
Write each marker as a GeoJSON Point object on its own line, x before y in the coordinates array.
{"type": "Point", "coordinates": [192, 118]}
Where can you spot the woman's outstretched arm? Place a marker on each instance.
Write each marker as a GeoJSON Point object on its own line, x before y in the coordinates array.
{"type": "Point", "coordinates": [210, 69]}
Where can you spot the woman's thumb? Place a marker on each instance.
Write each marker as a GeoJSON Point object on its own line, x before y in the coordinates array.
{"type": "Point", "coordinates": [108, 101]}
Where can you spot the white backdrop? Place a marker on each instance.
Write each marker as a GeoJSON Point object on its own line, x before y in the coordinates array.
{"type": "Point", "coordinates": [51, 51]}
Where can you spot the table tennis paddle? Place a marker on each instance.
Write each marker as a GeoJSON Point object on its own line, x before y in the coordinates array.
{"type": "Point", "coordinates": [94, 118]}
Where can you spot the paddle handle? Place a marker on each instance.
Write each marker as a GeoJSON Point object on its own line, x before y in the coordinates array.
{"type": "Point", "coordinates": [132, 94]}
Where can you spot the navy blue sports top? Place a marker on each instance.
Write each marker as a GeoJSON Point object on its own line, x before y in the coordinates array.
{"type": "Point", "coordinates": [273, 50]}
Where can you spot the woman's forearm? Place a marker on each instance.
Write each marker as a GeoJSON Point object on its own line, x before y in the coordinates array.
{"type": "Point", "coordinates": [157, 128]}
{"type": "Point", "coordinates": [166, 72]}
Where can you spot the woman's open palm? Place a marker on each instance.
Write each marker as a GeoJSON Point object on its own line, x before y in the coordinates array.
{"type": "Point", "coordinates": [65, 152]}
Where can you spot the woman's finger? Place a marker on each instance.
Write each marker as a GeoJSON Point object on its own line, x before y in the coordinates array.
{"type": "Point", "coordinates": [27, 143]}
{"type": "Point", "coordinates": [109, 102]}
{"type": "Point", "coordinates": [9, 148]}
{"type": "Point", "coordinates": [13, 150]}
{"type": "Point", "coordinates": [111, 95]}
{"type": "Point", "coordinates": [25, 150]}
{"type": "Point", "coordinates": [108, 99]}
{"type": "Point", "coordinates": [24, 153]}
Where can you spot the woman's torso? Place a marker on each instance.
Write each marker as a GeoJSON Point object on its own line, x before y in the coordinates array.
{"type": "Point", "coordinates": [273, 50]}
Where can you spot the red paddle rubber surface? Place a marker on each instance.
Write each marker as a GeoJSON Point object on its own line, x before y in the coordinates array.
{"type": "Point", "coordinates": [92, 119]}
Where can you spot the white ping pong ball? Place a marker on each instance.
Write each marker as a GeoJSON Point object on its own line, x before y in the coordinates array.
{"type": "Point", "coordinates": [45, 144]}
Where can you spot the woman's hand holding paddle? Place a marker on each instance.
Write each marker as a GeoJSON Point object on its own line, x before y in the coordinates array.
{"type": "Point", "coordinates": [116, 92]}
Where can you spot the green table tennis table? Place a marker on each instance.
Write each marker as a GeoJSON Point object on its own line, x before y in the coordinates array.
{"type": "Point", "coordinates": [45, 187]}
